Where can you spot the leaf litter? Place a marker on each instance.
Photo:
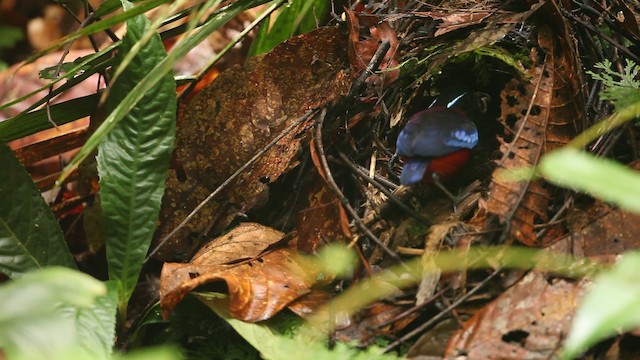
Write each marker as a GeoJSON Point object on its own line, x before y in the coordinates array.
{"type": "Point", "coordinates": [529, 57]}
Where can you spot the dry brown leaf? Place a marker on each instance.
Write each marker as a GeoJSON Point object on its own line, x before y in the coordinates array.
{"type": "Point", "coordinates": [321, 218]}
{"type": "Point", "coordinates": [454, 21]}
{"type": "Point", "coordinates": [235, 117]}
{"type": "Point", "coordinates": [361, 51]}
{"type": "Point", "coordinates": [258, 289]}
{"type": "Point", "coordinates": [601, 230]}
{"type": "Point", "coordinates": [539, 116]}
{"type": "Point", "coordinates": [56, 145]}
{"type": "Point", "coordinates": [246, 241]}
{"type": "Point", "coordinates": [528, 321]}
{"type": "Point", "coordinates": [307, 304]}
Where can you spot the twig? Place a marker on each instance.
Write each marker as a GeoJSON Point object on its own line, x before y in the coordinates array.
{"type": "Point", "coordinates": [412, 309]}
{"type": "Point", "coordinates": [384, 190]}
{"type": "Point", "coordinates": [361, 170]}
{"type": "Point", "coordinates": [67, 48]}
{"type": "Point", "coordinates": [436, 318]}
{"type": "Point", "coordinates": [222, 186]}
{"type": "Point", "coordinates": [604, 37]}
{"type": "Point", "coordinates": [377, 58]}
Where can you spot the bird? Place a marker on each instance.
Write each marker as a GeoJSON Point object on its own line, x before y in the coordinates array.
{"type": "Point", "coordinates": [435, 143]}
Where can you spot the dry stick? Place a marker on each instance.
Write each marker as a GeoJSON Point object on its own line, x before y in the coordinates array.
{"type": "Point", "coordinates": [229, 180]}
{"type": "Point", "coordinates": [373, 64]}
{"type": "Point", "coordinates": [384, 190]}
{"type": "Point", "coordinates": [600, 34]}
{"type": "Point", "coordinates": [413, 309]}
{"type": "Point", "coordinates": [434, 319]}
{"type": "Point", "coordinates": [365, 172]}
{"type": "Point", "coordinates": [343, 200]}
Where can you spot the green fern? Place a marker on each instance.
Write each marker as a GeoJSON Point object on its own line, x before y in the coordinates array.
{"type": "Point", "coordinates": [622, 89]}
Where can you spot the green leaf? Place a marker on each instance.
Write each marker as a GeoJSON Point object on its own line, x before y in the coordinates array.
{"type": "Point", "coordinates": [603, 178]}
{"type": "Point", "coordinates": [32, 122]}
{"type": "Point", "coordinates": [35, 321]}
{"type": "Point", "coordinates": [298, 17]}
{"type": "Point", "coordinates": [133, 160]}
{"type": "Point", "coordinates": [107, 7]}
{"type": "Point", "coordinates": [30, 237]}
{"type": "Point", "coordinates": [97, 323]}
{"type": "Point", "coordinates": [610, 307]}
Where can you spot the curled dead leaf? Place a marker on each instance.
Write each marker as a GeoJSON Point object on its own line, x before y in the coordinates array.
{"type": "Point", "coordinates": [258, 289]}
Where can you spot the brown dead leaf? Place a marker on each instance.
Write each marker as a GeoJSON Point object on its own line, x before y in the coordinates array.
{"type": "Point", "coordinates": [538, 115]}
{"type": "Point", "coordinates": [235, 117]}
{"type": "Point", "coordinates": [361, 51]}
{"type": "Point", "coordinates": [454, 21]}
{"type": "Point", "coordinates": [528, 321]}
{"type": "Point", "coordinates": [307, 304]}
{"type": "Point", "coordinates": [246, 241]}
{"type": "Point", "coordinates": [258, 289]}
{"type": "Point", "coordinates": [601, 230]}
{"type": "Point", "coordinates": [53, 146]}
{"type": "Point", "coordinates": [321, 218]}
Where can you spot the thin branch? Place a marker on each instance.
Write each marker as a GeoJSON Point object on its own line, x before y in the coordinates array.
{"type": "Point", "coordinates": [384, 190]}
{"type": "Point", "coordinates": [444, 312]}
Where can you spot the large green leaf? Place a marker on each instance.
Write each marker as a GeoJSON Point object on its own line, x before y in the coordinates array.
{"type": "Point", "coordinates": [133, 160]}
{"type": "Point", "coordinates": [35, 309]}
{"type": "Point", "coordinates": [96, 323]}
{"type": "Point", "coordinates": [603, 178]}
{"type": "Point", "coordinates": [30, 237]}
{"type": "Point", "coordinates": [274, 345]}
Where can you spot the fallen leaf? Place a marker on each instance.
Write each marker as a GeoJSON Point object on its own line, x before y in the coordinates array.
{"type": "Point", "coordinates": [258, 289]}
{"type": "Point", "coordinates": [246, 241]}
{"type": "Point", "coordinates": [600, 230]}
{"type": "Point", "coordinates": [527, 321]}
{"type": "Point", "coordinates": [538, 115]}
{"type": "Point", "coordinates": [361, 51]}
